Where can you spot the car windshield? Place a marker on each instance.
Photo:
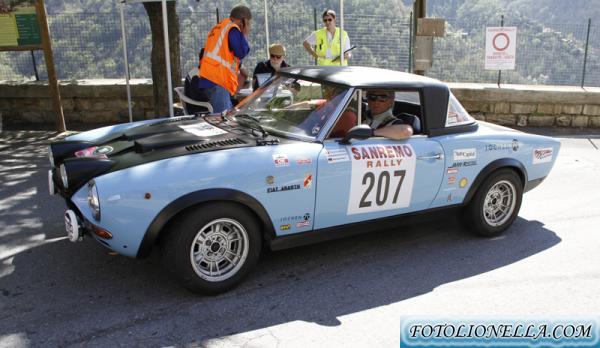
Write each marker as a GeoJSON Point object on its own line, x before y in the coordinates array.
{"type": "Point", "coordinates": [290, 107]}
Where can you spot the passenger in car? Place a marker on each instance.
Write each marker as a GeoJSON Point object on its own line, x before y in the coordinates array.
{"type": "Point", "coordinates": [381, 118]}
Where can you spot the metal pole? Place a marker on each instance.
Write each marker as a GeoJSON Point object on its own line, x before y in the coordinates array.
{"type": "Point", "coordinates": [267, 28]}
{"type": "Point", "coordinates": [342, 47]}
{"type": "Point", "coordinates": [48, 57]}
{"type": "Point", "coordinates": [122, 5]}
{"type": "Point", "coordinates": [500, 71]}
{"type": "Point", "coordinates": [587, 41]}
{"type": "Point", "coordinates": [315, 27]}
{"type": "Point", "coordinates": [218, 19]}
{"type": "Point", "coordinates": [167, 56]}
{"type": "Point", "coordinates": [410, 43]}
{"type": "Point", "coordinates": [37, 77]}
{"type": "Point", "coordinates": [420, 11]}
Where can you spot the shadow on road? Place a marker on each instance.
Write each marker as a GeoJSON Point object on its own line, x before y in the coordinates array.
{"type": "Point", "coordinates": [60, 294]}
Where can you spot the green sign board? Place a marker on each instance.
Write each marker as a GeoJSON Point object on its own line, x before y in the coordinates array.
{"type": "Point", "coordinates": [19, 23]}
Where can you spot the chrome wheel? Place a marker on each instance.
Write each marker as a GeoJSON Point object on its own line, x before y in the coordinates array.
{"type": "Point", "coordinates": [499, 203]}
{"type": "Point", "coordinates": [219, 249]}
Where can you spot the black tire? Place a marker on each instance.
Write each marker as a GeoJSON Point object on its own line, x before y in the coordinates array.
{"type": "Point", "coordinates": [210, 224]}
{"type": "Point", "coordinates": [503, 186]}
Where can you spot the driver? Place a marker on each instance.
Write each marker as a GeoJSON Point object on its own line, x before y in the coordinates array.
{"type": "Point", "coordinates": [382, 119]}
{"type": "Point", "coordinates": [324, 108]}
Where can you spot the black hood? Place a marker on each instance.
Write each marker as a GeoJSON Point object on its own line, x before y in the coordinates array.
{"type": "Point", "coordinates": [177, 137]}
{"type": "Point", "coordinates": [153, 142]}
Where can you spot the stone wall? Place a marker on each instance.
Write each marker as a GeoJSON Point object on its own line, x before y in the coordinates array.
{"type": "Point", "coordinates": [83, 101]}
{"type": "Point", "coordinates": [519, 105]}
{"type": "Point", "coordinates": [105, 102]}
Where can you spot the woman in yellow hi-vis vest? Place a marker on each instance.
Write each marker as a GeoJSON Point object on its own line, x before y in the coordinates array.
{"type": "Point", "coordinates": [324, 44]}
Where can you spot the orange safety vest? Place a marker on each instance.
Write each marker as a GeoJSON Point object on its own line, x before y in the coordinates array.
{"type": "Point", "coordinates": [218, 64]}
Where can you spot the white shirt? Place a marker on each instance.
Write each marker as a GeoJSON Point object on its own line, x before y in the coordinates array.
{"type": "Point", "coordinates": [377, 119]}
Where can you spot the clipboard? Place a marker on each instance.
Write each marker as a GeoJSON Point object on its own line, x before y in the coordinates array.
{"type": "Point", "coordinates": [262, 78]}
{"type": "Point", "coordinates": [346, 51]}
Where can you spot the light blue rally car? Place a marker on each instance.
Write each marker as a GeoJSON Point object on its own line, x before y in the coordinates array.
{"type": "Point", "coordinates": [292, 164]}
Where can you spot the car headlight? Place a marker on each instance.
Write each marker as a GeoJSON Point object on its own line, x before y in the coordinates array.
{"type": "Point", "coordinates": [63, 176]}
{"type": "Point", "coordinates": [94, 200]}
{"type": "Point", "coordinates": [50, 156]}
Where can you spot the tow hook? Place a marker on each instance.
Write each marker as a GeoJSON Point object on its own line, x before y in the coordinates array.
{"type": "Point", "coordinates": [73, 226]}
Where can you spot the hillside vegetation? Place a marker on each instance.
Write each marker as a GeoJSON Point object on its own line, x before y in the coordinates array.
{"type": "Point", "coordinates": [550, 49]}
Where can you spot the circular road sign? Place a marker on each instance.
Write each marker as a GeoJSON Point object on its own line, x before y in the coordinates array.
{"type": "Point", "coordinates": [500, 41]}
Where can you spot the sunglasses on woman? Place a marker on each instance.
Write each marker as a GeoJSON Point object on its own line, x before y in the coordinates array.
{"type": "Point", "coordinates": [327, 20]}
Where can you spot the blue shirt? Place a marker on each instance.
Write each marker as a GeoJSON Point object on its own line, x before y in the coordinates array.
{"type": "Point", "coordinates": [238, 44]}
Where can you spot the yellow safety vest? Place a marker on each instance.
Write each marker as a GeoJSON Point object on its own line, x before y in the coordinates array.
{"type": "Point", "coordinates": [321, 46]}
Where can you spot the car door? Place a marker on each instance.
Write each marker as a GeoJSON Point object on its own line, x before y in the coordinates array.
{"type": "Point", "coordinates": [376, 178]}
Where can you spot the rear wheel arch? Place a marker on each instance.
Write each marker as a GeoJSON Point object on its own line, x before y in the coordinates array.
{"type": "Point", "coordinates": [192, 200]}
{"type": "Point", "coordinates": [491, 168]}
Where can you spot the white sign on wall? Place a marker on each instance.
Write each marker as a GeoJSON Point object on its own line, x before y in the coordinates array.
{"type": "Point", "coordinates": [500, 48]}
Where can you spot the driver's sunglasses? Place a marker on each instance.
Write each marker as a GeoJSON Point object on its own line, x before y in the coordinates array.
{"type": "Point", "coordinates": [276, 56]}
{"type": "Point", "coordinates": [327, 20]}
{"type": "Point", "coordinates": [378, 97]}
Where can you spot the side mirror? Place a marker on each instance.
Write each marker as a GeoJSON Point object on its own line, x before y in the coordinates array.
{"type": "Point", "coordinates": [360, 132]}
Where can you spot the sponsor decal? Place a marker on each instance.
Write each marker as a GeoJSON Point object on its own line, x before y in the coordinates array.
{"type": "Point", "coordinates": [497, 147]}
{"type": "Point", "coordinates": [376, 156]}
{"type": "Point", "coordinates": [302, 224]}
{"type": "Point", "coordinates": [382, 177]}
{"type": "Point", "coordinates": [103, 150]}
{"type": "Point", "coordinates": [270, 179]}
{"type": "Point", "coordinates": [450, 189]}
{"type": "Point", "coordinates": [515, 144]}
{"type": "Point", "coordinates": [308, 180]}
{"type": "Point", "coordinates": [92, 152]}
{"type": "Point", "coordinates": [202, 129]}
{"type": "Point", "coordinates": [543, 155]}
{"type": "Point", "coordinates": [463, 164]}
{"type": "Point", "coordinates": [303, 161]}
{"type": "Point", "coordinates": [283, 188]}
{"type": "Point", "coordinates": [307, 216]}
{"type": "Point", "coordinates": [285, 227]}
{"type": "Point", "coordinates": [316, 130]}
{"type": "Point", "coordinates": [452, 170]}
{"type": "Point", "coordinates": [465, 154]}
{"type": "Point", "coordinates": [291, 218]}
{"type": "Point", "coordinates": [281, 160]}
{"type": "Point", "coordinates": [449, 199]}
{"type": "Point", "coordinates": [337, 155]}
{"type": "Point", "coordinates": [451, 180]}
{"type": "Point", "coordinates": [463, 182]}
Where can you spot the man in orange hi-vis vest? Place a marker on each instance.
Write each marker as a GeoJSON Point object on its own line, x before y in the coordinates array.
{"type": "Point", "coordinates": [226, 46]}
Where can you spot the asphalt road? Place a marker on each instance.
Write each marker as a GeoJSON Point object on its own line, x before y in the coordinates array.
{"type": "Point", "coordinates": [350, 292]}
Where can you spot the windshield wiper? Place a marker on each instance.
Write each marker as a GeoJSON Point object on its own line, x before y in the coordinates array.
{"type": "Point", "coordinates": [251, 122]}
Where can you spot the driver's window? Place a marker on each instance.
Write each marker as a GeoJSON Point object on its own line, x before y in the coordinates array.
{"type": "Point", "coordinates": [347, 120]}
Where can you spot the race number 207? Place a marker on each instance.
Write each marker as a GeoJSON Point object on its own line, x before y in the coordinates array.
{"type": "Point", "coordinates": [381, 185]}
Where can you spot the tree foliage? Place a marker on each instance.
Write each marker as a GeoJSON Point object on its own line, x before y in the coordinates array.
{"type": "Point", "coordinates": [550, 49]}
